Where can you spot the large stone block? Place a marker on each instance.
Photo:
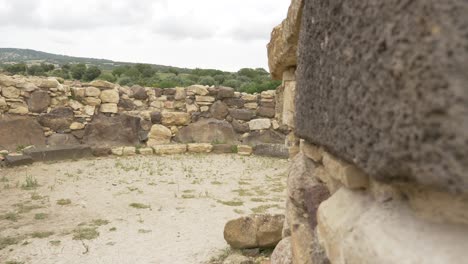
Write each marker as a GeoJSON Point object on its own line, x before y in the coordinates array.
{"type": "Point", "coordinates": [399, 111]}
{"type": "Point", "coordinates": [54, 153]}
{"type": "Point", "coordinates": [242, 114]}
{"type": "Point", "coordinates": [159, 134]}
{"type": "Point", "coordinates": [59, 119]}
{"type": "Point", "coordinates": [271, 150]}
{"type": "Point", "coordinates": [354, 228]}
{"type": "Point", "coordinates": [282, 48]}
{"type": "Point", "coordinates": [175, 118]}
{"type": "Point", "coordinates": [260, 124]}
{"type": "Point", "coordinates": [113, 131]}
{"type": "Point", "coordinates": [207, 131]}
{"type": "Point", "coordinates": [110, 96]}
{"type": "Point", "coordinates": [170, 149]}
{"type": "Point", "coordinates": [18, 131]}
{"type": "Point", "coordinates": [39, 101]}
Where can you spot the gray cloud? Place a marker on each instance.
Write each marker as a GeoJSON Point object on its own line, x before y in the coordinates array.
{"type": "Point", "coordinates": [186, 27]}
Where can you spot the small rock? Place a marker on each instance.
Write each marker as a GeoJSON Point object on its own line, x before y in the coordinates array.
{"type": "Point", "coordinates": [77, 126]}
{"type": "Point", "coordinates": [244, 150]}
{"type": "Point", "coordinates": [259, 124]}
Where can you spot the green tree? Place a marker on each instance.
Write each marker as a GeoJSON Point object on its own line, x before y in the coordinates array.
{"type": "Point", "coordinates": [18, 68]}
{"type": "Point", "coordinates": [77, 71]}
{"type": "Point", "coordinates": [36, 70]}
{"type": "Point", "coordinates": [207, 80]}
{"type": "Point", "coordinates": [91, 73]}
{"type": "Point", "coordinates": [107, 77]}
{"type": "Point", "coordinates": [145, 70]}
{"type": "Point", "coordinates": [117, 72]}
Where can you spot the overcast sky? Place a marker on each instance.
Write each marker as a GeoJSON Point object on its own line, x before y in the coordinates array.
{"type": "Point", "coordinates": [222, 34]}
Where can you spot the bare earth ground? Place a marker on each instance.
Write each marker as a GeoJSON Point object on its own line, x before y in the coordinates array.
{"type": "Point", "coordinates": [143, 209]}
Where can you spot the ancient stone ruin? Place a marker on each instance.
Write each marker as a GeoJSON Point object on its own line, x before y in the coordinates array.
{"type": "Point", "coordinates": [376, 93]}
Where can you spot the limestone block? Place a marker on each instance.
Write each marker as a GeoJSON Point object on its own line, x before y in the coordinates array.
{"type": "Point", "coordinates": [289, 104]}
{"type": "Point", "coordinates": [259, 124]}
{"type": "Point", "coordinates": [89, 110]}
{"type": "Point", "coordinates": [159, 134]}
{"type": "Point", "coordinates": [351, 176]}
{"type": "Point", "coordinates": [48, 83]}
{"type": "Point", "coordinates": [146, 151]}
{"type": "Point", "coordinates": [10, 92]}
{"type": "Point", "coordinates": [77, 126]}
{"type": "Point", "coordinates": [252, 106]}
{"type": "Point", "coordinates": [249, 97]}
{"type": "Point", "coordinates": [170, 149]}
{"type": "Point", "coordinates": [92, 92]}
{"type": "Point", "coordinates": [244, 150]}
{"type": "Point", "coordinates": [110, 96]}
{"type": "Point", "coordinates": [197, 90]}
{"type": "Point", "coordinates": [200, 147]}
{"type": "Point", "coordinates": [102, 84]}
{"type": "Point", "coordinates": [207, 99]}
{"type": "Point", "coordinates": [180, 93]}
{"type": "Point", "coordinates": [129, 151]}
{"type": "Point", "coordinates": [175, 118]}
{"type": "Point", "coordinates": [191, 108]}
{"type": "Point", "coordinates": [92, 101]}
{"type": "Point", "coordinates": [75, 105]}
{"type": "Point", "coordinates": [354, 228]}
{"type": "Point", "coordinates": [117, 151]}
{"type": "Point", "coordinates": [109, 108]}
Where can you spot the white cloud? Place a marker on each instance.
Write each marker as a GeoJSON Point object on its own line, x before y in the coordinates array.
{"type": "Point", "coordinates": [224, 34]}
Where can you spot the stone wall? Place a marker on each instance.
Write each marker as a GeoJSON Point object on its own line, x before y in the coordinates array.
{"type": "Point", "coordinates": [44, 111]}
{"type": "Point", "coordinates": [379, 147]}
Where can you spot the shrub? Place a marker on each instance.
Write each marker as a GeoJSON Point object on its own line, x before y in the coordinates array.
{"type": "Point", "coordinates": [18, 68]}
{"type": "Point", "coordinates": [91, 73]}
{"type": "Point", "coordinates": [78, 70]}
{"type": "Point", "coordinates": [107, 77]}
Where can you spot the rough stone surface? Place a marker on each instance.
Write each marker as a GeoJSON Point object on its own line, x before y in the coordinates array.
{"type": "Point", "coordinates": [61, 140]}
{"type": "Point", "coordinates": [139, 92]}
{"type": "Point", "coordinates": [159, 134]}
{"type": "Point", "coordinates": [39, 101]}
{"type": "Point", "coordinates": [282, 48]}
{"type": "Point", "coordinates": [244, 150]}
{"type": "Point", "coordinates": [385, 85]}
{"type": "Point", "coordinates": [222, 148]}
{"type": "Point", "coordinates": [59, 119]}
{"type": "Point", "coordinates": [282, 253]}
{"type": "Point", "coordinates": [170, 149]}
{"type": "Point", "coordinates": [271, 150]}
{"type": "Point", "coordinates": [259, 124]}
{"type": "Point", "coordinates": [242, 114]}
{"type": "Point", "coordinates": [10, 92]}
{"type": "Point", "coordinates": [53, 153]}
{"type": "Point", "coordinates": [102, 84]}
{"type": "Point", "coordinates": [19, 131]}
{"type": "Point", "coordinates": [225, 92]}
{"type": "Point", "coordinates": [175, 118]}
{"type": "Point", "coordinates": [109, 108]}
{"type": "Point", "coordinates": [199, 147]}
{"type": "Point", "coordinates": [266, 112]}
{"type": "Point", "coordinates": [112, 131]}
{"type": "Point", "coordinates": [207, 131]}
{"type": "Point", "coordinates": [240, 127]}
{"type": "Point", "coordinates": [109, 96]}
{"type": "Point", "coordinates": [237, 259]}
{"type": "Point", "coordinates": [354, 228]}
{"type": "Point", "coordinates": [18, 160]}
{"type": "Point", "coordinates": [219, 110]}
{"type": "Point", "coordinates": [254, 231]}
{"type": "Point", "coordinates": [266, 136]}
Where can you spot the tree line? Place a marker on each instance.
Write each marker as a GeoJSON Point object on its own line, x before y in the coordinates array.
{"type": "Point", "coordinates": [245, 80]}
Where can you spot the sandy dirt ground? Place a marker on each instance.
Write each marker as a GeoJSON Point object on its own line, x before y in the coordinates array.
{"type": "Point", "coordinates": [134, 209]}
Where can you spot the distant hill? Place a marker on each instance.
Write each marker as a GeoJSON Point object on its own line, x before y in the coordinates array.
{"type": "Point", "coordinates": [29, 56]}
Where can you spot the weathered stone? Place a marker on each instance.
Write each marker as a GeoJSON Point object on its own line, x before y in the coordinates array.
{"type": "Point", "coordinates": [118, 151]}
{"type": "Point", "coordinates": [109, 108]}
{"type": "Point", "coordinates": [207, 131]}
{"type": "Point", "coordinates": [48, 83]}
{"type": "Point", "coordinates": [251, 106]}
{"type": "Point", "coordinates": [101, 151]}
{"type": "Point", "coordinates": [159, 134]}
{"type": "Point", "coordinates": [77, 126]}
{"type": "Point", "coordinates": [111, 131]}
{"type": "Point", "coordinates": [269, 94]}
{"type": "Point", "coordinates": [126, 104]}
{"type": "Point", "coordinates": [7, 81]}
{"type": "Point", "coordinates": [259, 124]}
{"type": "Point", "coordinates": [38, 102]}
{"type": "Point", "coordinates": [265, 136]}
{"type": "Point", "coordinates": [271, 150]}
{"type": "Point", "coordinates": [61, 140]}
{"type": "Point", "coordinates": [169, 92]}
{"type": "Point", "coordinates": [180, 93]}
{"type": "Point", "coordinates": [254, 231]}
{"type": "Point", "coordinates": [240, 127]}
{"type": "Point", "coordinates": [175, 118]}
{"type": "Point", "coordinates": [19, 131]}
{"type": "Point", "coordinates": [282, 48]}
{"type": "Point", "coordinates": [102, 84]}
{"type": "Point", "coordinates": [219, 110]}
{"type": "Point", "coordinates": [146, 151]}
{"type": "Point", "coordinates": [351, 176]}
{"type": "Point", "coordinates": [207, 99]}
{"type": "Point", "coordinates": [266, 112]}
{"type": "Point", "coordinates": [18, 109]}
{"type": "Point", "coordinates": [234, 102]}
{"type": "Point", "coordinates": [156, 117]}
{"type": "Point", "coordinates": [192, 108]}
{"type": "Point", "coordinates": [109, 96]}
{"type": "Point", "coordinates": [289, 104]}
{"type": "Point", "coordinates": [59, 119]}
{"type": "Point", "coordinates": [138, 92]}
{"type": "Point", "coordinates": [199, 147]}
{"type": "Point", "coordinates": [244, 150]}
{"type": "Point", "coordinates": [225, 92]}
{"type": "Point", "coordinates": [89, 110]}
{"type": "Point", "coordinates": [223, 148]}
{"type": "Point", "coordinates": [54, 153]}
{"type": "Point", "coordinates": [11, 92]}
{"type": "Point", "coordinates": [75, 105]}
{"type": "Point", "coordinates": [91, 101]}
{"type": "Point", "coordinates": [282, 253]}
{"type": "Point", "coordinates": [197, 90]}
{"type": "Point", "coordinates": [18, 160]}
{"type": "Point", "coordinates": [311, 151]}
{"type": "Point", "coordinates": [92, 92]}
{"type": "Point", "coordinates": [170, 149]}
{"type": "Point", "coordinates": [396, 122]}
{"type": "Point", "coordinates": [242, 114]}
{"type": "Point", "coordinates": [250, 97]}
{"type": "Point", "coordinates": [3, 103]}
{"type": "Point", "coordinates": [129, 151]}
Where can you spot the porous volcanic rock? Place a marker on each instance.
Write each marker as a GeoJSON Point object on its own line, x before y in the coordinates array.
{"type": "Point", "coordinates": [207, 131]}
{"type": "Point", "coordinates": [113, 131]}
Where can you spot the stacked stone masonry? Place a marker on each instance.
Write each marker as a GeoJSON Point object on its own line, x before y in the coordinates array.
{"type": "Point", "coordinates": [379, 140]}
{"type": "Point", "coordinates": [46, 111]}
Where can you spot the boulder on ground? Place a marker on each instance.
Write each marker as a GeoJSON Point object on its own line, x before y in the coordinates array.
{"type": "Point", "coordinates": [282, 253]}
{"type": "Point", "coordinates": [112, 131]}
{"type": "Point", "coordinates": [207, 131]}
{"type": "Point", "coordinates": [255, 231]}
